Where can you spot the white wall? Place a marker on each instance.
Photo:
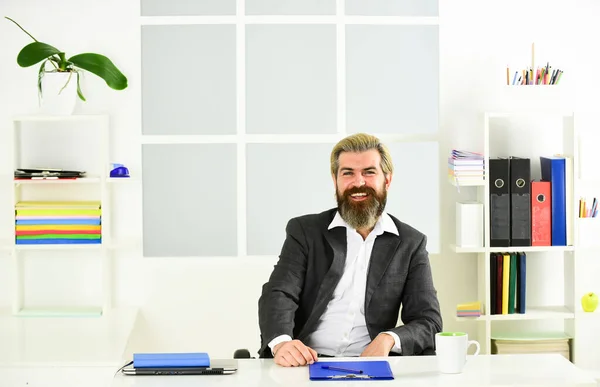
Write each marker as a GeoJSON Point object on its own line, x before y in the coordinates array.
{"type": "Point", "coordinates": [180, 293]}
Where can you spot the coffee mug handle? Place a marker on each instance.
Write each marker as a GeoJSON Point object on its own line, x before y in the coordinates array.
{"type": "Point", "coordinates": [476, 344]}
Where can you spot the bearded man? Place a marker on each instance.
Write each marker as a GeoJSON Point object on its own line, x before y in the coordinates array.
{"type": "Point", "coordinates": [344, 275]}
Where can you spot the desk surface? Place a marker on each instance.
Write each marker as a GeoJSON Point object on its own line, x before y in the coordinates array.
{"type": "Point", "coordinates": [483, 370]}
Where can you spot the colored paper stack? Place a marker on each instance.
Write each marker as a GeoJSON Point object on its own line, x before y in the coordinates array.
{"type": "Point", "coordinates": [73, 222]}
{"type": "Point", "coordinates": [471, 309]}
{"type": "Point", "coordinates": [466, 167]}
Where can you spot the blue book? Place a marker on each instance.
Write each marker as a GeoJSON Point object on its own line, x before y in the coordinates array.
{"type": "Point", "coordinates": [554, 170]}
{"type": "Point", "coordinates": [350, 370]}
{"type": "Point", "coordinates": [57, 241]}
{"type": "Point", "coordinates": [33, 222]}
{"type": "Point", "coordinates": [158, 360]}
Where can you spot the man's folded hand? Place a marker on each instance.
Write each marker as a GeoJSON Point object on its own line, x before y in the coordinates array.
{"type": "Point", "coordinates": [294, 353]}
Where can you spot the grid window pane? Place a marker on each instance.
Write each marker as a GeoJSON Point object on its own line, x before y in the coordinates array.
{"type": "Point", "coordinates": [188, 79]}
{"type": "Point", "coordinates": [284, 181]}
{"type": "Point", "coordinates": [189, 200]}
{"type": "Point", "coordinates": [187, 7]}
{"type": "Point", "coordinates": [392, 7]}
{"type": "Point", "coordinates": [392, 79]}
{"type": "Point", "coordinates": [290, 79]}
{"type": "Point", "coordinates": [290, 7]}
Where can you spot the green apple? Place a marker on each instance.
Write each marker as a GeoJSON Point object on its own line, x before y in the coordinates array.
{"type": "Point", "coordinates": [589, 302]}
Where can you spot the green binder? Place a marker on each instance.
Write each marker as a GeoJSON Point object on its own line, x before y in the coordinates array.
{"type": "Point", "coordinates": [512, 284]}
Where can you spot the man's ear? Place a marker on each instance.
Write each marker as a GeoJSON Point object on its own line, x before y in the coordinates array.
{"type": "Point", "coordinates": [334, 178]}
{"type": "Point", "coordinates": [388, 181]}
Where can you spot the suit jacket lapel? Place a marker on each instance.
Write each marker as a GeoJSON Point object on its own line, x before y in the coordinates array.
{"type": "Point", "coordinates": [383, 252]}
{"type": "Point", "coordinates": [336, 237]}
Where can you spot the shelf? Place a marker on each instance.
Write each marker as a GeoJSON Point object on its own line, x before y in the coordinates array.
{"type": "Point", "coordinates": [510, 249]}
{"type": "Point", "coordinates": [529, 113]}
{"type": "Point", "coordinates": [65, 246]}
{"type": "Point", "coordinates": [84, 180]}
{"type": "Point", "coordinates": [46, 118]}
{"type": "Point", "coordinates": [580, 314]}
{"type": "Point", "coordinates": [533, 313]}
{"type": "Point", "coordinates": [125, 243]}
{"type": "Point", "coordinates": [76, 341]}
{"type": "Point", "coordinates": [467, 183]}
{"type": "Point", "coordinates": [89, 311]}
{"type": "Point", "coordinates": [459, 249]}
{"type": "Point", "coordinates": [122, 180]}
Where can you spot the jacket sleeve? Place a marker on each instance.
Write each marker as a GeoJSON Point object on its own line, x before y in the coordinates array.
{"type": "Point", "coordinates": [280, 295]}
{"type": "Point", "coordinates": [420, 307]}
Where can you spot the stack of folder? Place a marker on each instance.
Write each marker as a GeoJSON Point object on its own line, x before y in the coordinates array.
{"type": "Point", "coordinates": [58, 222]}
{"type": "Point", "coordinates": [471, 309]}
{"type": "Point", "coordinates": [532, 343]}
{"type": "Point", "coordinates": [466, 167]}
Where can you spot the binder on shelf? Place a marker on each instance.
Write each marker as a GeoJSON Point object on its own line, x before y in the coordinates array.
{"type": "Point", "coordinates": [493, 276]}
{"type": "Point", "coordinates": [553, 170]}
{"type": "Point", "coordinates": [520, 201]}
{"type": "Point", "coordinates": [512, 283]}
{"type": "Point", "coordinates": [521, 281]}
{"type": "Point", "coordinates": [505, 282]}
{"type": "Point", "coordinates": [541, 213]}
{"type": "Point", "coordinates": [499, 203]}
{"type": "Point", "coordinates": [499, 281]}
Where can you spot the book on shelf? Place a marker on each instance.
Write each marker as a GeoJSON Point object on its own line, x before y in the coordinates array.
{"type": "Point", "coordinates": [58, 222]}
{"type": "Point", "coordinates": [469, 309]}
{"type": "Point", "coordinates": [466, 167]}
{"type": "Point", "coordinates": [508, 283]}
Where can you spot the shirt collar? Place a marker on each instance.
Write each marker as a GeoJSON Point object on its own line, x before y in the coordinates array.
{"type": "Point", "coordinates": [384, 224]}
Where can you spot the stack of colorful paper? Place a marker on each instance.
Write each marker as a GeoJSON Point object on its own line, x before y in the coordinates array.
{"type": "Point", "coordinates": [72, 222]}
{"type": "Point", "coordinates": [466, 167]}
{"type": "Point", "coordinates": [471, 309]}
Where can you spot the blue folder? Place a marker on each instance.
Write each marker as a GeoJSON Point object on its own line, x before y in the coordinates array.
{"type": "Point", "coordinates": [351, 370]}
{"type": "Point", "coordinates": [50, 221]}
{"type": "Point", "coordinates": [553, 170]}
{"type": "Point", "coordinates": [158, 360]}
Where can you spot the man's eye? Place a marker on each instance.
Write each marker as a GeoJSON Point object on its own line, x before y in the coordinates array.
{"type": "Point", "coordinates": [347, 173]}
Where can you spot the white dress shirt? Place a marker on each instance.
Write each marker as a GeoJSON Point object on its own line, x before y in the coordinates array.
{"type": "Point", "coordinates": [342, 330]}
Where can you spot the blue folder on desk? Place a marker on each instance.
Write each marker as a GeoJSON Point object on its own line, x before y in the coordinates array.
{"type": "Point", "coordinates": [157, 360]}
{"type": "Point", "coordinates": [351, 370]}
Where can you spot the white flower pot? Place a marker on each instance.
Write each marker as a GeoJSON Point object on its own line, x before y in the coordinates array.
{"type": "Point", "coordinates": [56, 98]}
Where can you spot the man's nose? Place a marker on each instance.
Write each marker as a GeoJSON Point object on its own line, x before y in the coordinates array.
{"type": "Point", "coordinates": [360, 181]}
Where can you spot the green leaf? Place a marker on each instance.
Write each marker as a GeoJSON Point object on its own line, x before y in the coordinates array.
{"type": "Point", "coordinates": [79, 93]}
{"type": "Point", "coordinates": [102, 67]}
{"type": "Point", "coordinates": [35, 52]}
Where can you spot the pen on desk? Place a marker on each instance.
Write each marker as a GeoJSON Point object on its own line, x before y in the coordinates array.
{"type": "Point", "coordinates": [341, 369]}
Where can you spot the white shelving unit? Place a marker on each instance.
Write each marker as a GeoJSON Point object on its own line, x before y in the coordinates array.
{"type": "Point", "coordinates": [562, 308]}
{"type": "Point", "coordinates": [96, 183]}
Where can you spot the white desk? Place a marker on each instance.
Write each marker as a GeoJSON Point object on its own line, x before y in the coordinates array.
{"type": "Point", "coordinates": [484, 370]}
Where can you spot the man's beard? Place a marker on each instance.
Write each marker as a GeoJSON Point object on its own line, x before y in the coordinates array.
{"type": "Point", "coordinates": [362, 214]}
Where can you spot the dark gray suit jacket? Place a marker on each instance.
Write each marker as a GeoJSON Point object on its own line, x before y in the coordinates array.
{"type": "Point", "coordinates": [311, 264]}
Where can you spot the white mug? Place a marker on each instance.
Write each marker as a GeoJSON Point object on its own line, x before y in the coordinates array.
{"type": "Point", "coordinates": [451, 351]}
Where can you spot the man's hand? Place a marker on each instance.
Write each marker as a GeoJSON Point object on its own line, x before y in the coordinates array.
{"type": "Point", "coordinates": [380, 346]}
{"type": "Point", "coordinates": [294, 353]}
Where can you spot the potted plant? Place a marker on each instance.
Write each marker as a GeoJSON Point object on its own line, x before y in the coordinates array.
{"type": "Point", "coordinates": [62, 72]}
